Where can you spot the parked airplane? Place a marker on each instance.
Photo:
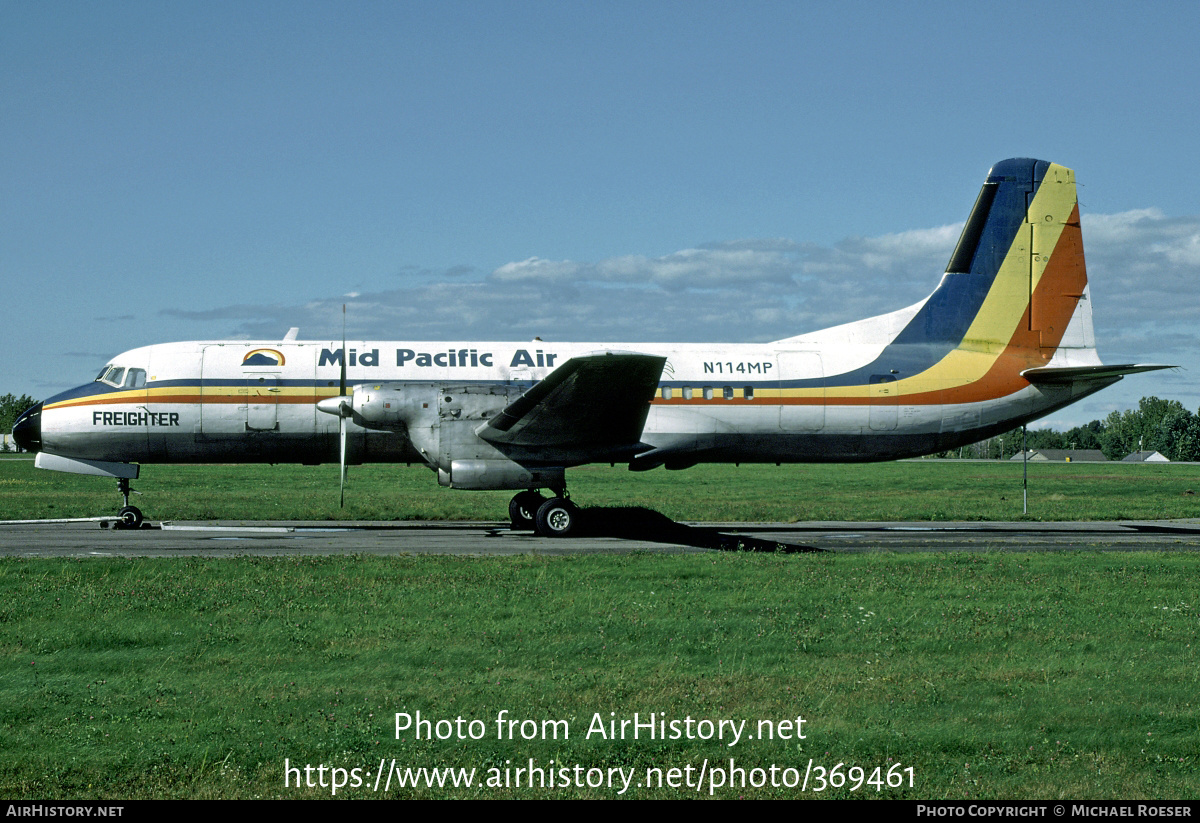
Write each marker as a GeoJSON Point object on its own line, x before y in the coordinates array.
{"type": "Point", "coordinates": [1005, 338]}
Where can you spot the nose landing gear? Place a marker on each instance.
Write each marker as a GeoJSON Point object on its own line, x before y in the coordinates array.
{"type": "Point", "coordinates": [129, 517]}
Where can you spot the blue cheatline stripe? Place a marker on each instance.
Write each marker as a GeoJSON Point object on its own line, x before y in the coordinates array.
{"type": "Point", "coordinates": [86, 390]}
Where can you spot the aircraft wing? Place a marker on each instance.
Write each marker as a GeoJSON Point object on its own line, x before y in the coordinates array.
{"type": "Point", "coordinates": [592, 405]}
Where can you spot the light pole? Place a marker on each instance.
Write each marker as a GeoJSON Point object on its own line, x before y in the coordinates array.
{"type": "Point", "coordinates": [1024, 473]}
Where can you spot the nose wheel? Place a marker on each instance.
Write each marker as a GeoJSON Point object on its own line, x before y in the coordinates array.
{"type": "Point", "coordinates": [129, 517]}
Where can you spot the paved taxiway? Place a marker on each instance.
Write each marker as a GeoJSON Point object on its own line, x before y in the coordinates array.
{"type": "Point", "coordinates": [632, 531]}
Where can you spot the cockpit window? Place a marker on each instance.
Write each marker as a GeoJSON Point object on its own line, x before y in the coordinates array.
{"type": "Point", "coordinates": [119, 377]}
{"type": "Point", "coordinates": [113, 376]}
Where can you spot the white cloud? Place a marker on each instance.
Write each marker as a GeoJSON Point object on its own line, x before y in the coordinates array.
{"type": "Point", "coordinates": [1144, 269]}
{"type": "Point", "coordinates": [536, 270]}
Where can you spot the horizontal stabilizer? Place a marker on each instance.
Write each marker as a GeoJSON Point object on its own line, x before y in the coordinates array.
{"type": "Point", "coordinates": [589, 404]}
{"type": "Point", "coordinates": [1080, 374]}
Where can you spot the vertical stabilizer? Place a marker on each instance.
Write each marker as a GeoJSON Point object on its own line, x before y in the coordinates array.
{"type": "Point", "coordinates": [1017, 275]}
{"type": "Point", "coordinates": [1014, 295]}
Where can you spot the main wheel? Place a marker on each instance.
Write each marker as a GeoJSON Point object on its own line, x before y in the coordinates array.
{"type": "Point", "coordinates": [557, 517]}
{"type": "Point", "coordinates": [523, 509]}
{"type": "Point", "coordinates": [130, 517]}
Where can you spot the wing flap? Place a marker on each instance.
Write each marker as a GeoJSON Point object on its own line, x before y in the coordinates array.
{"type": "Point", "coordinates": [592, 404]}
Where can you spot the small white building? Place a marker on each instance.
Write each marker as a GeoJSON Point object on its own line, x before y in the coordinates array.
{"type": "Point", "coordinates": [1146, 457]}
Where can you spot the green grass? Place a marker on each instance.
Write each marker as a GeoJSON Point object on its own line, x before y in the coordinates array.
{"type": "Point", "coordinates": [1064, 675]}
{"type": "Point", "coordinates": [913, 490]}
{"type": "Point", "coordinates": [992, 676]}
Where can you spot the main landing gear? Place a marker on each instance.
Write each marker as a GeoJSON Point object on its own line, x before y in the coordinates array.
{"type": "Point", "coordinates": [129, 517]}
{"type": "Point", "coordinates": [555, 517]}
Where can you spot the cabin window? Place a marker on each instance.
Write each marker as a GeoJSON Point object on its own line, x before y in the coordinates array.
{"type": "Point", "coordinates": [708, 392]}
{"type": "Point", "coordinates": [666, 392]}
{"type": "Point", "coordinates": [727, 392]}
{"type": "Point", "coordinates": [687, 392]}
{"type": "Point", "coordinates": [748, 392]}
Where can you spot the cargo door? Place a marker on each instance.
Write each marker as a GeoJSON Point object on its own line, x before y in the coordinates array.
{"type": "Point", "coordinates": [236, 398]}
{"type": "Point", "coordinates": [261, 392]}
{"type": "Point", "coordinates": [801, 391]}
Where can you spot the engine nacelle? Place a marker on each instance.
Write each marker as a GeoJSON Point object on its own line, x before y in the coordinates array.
{"type": "Point", "coordinates": [395, 406]}
{"type": "Point", "coordinates": [440, 421]}
{"type": "Point", "coordinates": [486, 475]}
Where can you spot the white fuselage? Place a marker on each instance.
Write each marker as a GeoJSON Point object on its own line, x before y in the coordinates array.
{"type": "Point", "coordinates": [209, 402]}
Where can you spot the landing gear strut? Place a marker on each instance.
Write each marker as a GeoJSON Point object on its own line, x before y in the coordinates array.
{"type": "Point", "coordinates": [129, 517]}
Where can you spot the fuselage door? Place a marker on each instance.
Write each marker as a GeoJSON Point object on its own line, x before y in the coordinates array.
{"type": "Point", "coordinates": [237, 397]}
{"type": "Point", "coordinates": [802, 391]}
{"type": "Point", "coordinates": [262, 401]}
{"type": "Point", "coordinates": [885, 400]}
{"type": "Point", "coordinates": [216, 407]}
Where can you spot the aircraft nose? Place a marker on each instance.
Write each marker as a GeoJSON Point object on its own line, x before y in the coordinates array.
{"type": "Point", "coordinates": [27, 431]}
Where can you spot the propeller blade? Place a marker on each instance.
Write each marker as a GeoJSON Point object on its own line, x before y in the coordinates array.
{"type": "Point", "coordinates": [342, 460]}
{"type": "Point", "coordinates": [345, 355]}
{"type": "Point", "coordinates": [343, 411]}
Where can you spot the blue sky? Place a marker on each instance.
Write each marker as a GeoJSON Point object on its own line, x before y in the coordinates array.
{"type": "Point", "coordinates": [601, 171]}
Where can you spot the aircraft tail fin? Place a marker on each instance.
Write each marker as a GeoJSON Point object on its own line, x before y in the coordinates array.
{"type": "Point", "coordinates": [1014, 299]}
{"type": "Point", "coordinates": [1017, 277]}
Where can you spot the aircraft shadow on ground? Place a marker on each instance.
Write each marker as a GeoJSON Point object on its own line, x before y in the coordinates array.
{"type": "Point", "coordinates": [637, 523]}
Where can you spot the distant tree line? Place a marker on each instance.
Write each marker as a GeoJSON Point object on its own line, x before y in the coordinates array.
{"type": "Point", "coordinates": [1158, 425]}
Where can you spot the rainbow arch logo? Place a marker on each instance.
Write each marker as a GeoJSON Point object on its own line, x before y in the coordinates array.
{"type": "Point", "coordinates": [263, 357]}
